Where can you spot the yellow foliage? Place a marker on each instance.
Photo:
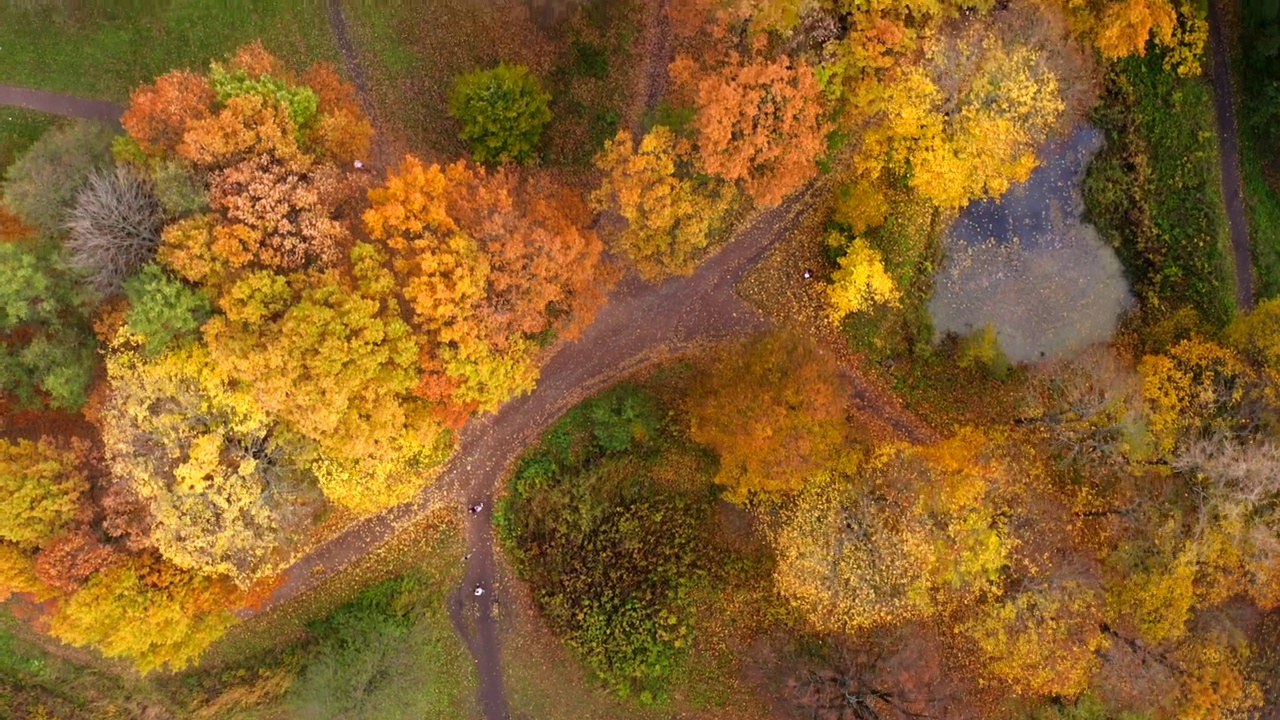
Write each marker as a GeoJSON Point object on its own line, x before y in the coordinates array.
{"type": "Point", "coordinates": [670, 220]}
{"type": "Point", "coordinates": [1193, 386]}
{"type": "Point", "coordinates": [1043, 640]}
{"type": "Point", "coordinates": [152, 614]}
{"type": "Point", "coordinates": [41, 485]}
{"type": "Point", "coordinates": [860, 282]}
{"type": "Point", "coordinates": [18, 575]}
{"type": "Point", "coordinates": [1154, 587]}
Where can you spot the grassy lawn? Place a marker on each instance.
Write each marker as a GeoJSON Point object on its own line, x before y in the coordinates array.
{"type": "Point", "coordinates": [1263, 201]}
{"type": "Point", "coordinates": [583, 63]}
{"type": "Point", "coordinates": [1153, 191]}
{"type": "Point", "coordinates": [105, 49]}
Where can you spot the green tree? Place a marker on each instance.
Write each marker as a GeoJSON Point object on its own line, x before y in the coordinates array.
{"type": "Point", "coordinates": [163, 309]}
{"type": "Point", "coordinates": [42, 185]}
{"type": "Point", "coordinates": [503, 111]}
{"type": "Point", "coordinates": [45, 344]}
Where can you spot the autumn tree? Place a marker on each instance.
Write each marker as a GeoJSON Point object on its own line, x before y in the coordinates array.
{"type": "Point", "coordinates": [488, 265]}
{"type": "Point", "coordinates": [860, 282]}
{"type": "Point", "coordinates": [220, 482]}
{"type": "Point", "coordinates": [965, 123]}
{"type": "Point", "coordinates": [671, 218]}
{"type": "Point", "coordinates": [18, 574]}
{"type": "Point", "coordinates": [760, 122]}
{"type": "Point", "coordinates": [774, 411]}
{"type": "Point", "coordinates": [905, 534]}
{"type": "Point", "coordinates": [70, 559]}
{"type": "Point", "coordinates": [42, 485]}
{"type": "Point", "coordinates": [1197, 386]}
{"type": "Point", "coordinates": [115, 228]}
{"type": "Point", "coordinates": [148, 612]}
{"type": "Point", "coordinates": [163, 309]}
{"type": "Point", "coordinates": [330, 356]}
{"type": "Point", "coordinates": [159, 114]}
{"type": "Point", "coordinates": [1043, 639]}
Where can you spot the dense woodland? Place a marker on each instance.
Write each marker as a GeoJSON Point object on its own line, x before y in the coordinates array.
{"type": "Point", "coordinates": [230, 332]}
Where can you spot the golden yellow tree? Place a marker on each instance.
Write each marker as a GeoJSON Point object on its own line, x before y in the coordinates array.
{"type": "Point", "coordinates": [42, 485]}
{"type": "Point", "coordinates": [671, 220]}
{"type": "Point", "coordinates": [860, 282]}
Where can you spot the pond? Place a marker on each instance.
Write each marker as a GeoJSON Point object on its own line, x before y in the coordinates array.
{"type": "Point", "coordinates": [1030, 266]}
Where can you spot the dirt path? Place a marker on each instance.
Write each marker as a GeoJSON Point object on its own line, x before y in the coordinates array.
{"type": "Point", "coordinates": [1229, 154]}
{"type": "Point", "coordinates": [59, 104]}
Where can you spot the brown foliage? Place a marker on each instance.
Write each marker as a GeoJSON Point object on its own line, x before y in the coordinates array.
{"type": "Point", "coordinates": [159, 114]}
{"type": "Point", "coordinates": [69, 559]}
{"type": "Point", "coordinates": [277, 213]}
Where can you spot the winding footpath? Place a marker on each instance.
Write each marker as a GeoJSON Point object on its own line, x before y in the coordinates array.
{"type": "Point", "coordinates": [640, 324]}
{"type": "Point", "coordinates": [1229, 158]}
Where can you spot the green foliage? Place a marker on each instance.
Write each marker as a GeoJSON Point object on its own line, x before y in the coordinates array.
{"type": "Point", "coordinates": [300, 100]}
{"type": "Point", "coordinates": [1153, 189]}
{"type": "Point", "coordinates": [42, 185]}
{"type": "Point", "coordinates": [612, 553]}
{"type": "Point", "coordinates": [45, 343]}
{"type": "Point", "coordinates": [503, 111]}
{"type": "Point", "coordinates": [981, 349]}
{"type": "Point", "coordinates": [180, 193]}
{"type": "Point", "coordinates": [163, 309]}
{"type": "Point", "coordinates": [384, 654]}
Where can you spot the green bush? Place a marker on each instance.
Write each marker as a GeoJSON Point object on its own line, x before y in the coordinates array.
{"type": "Point", "coordinates": [41, 187]}
{"type": "Point", "coordinates": [45, 342]}
{"type": "Point", "coordinates": [163, 309]}
{"type": "Point", "coordinates": [503, 111]}
{"type": "Point", "coordinates": [612, 555]}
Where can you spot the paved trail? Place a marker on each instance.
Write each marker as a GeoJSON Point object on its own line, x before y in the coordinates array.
{"type": "Point", "coordinates": [1229, 155]}
{"type": "Point", "coordinates": [59, 104]}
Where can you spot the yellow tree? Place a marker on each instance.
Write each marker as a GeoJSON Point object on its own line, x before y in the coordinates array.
{"type": "Point", "coordinates": [1197, 386]}
{"type": "Point", "coordinates": [42, 485]}
{"type": "Point", "coordinates": [671, 220]}
{"type": "Point", "coordinates": [148, 612]}
{"type": "Point", "coordinates": [966, 123]}
{"type": "Point", "coordinates": [1042, 640]}
{"type": "Point", "coordinates": [909, 532]}
{"type": "Point", "coordinates": [774, 411]}
{"type": "Point", "coordinates": [860, 282]}
{"type": "Point", "coordinates": [222, 489]}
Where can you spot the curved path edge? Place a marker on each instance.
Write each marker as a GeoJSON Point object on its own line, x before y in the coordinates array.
{"type": "Point", "coordinates": [1229, 158]}
{"type": "Point", "coordinates": [60, 103]}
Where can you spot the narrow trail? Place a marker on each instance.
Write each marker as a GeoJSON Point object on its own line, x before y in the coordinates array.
{"type": "Point", "coordinates": [1229, 156]}
{"type": "Point", "coordinates": [60, 104]}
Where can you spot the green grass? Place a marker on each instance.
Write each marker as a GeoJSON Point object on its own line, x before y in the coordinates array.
{"type": "Point", "coordinates": [18, 130]}
{"type": "Point", "coordinates": [105, 49]}
{"type": "Point", "coordinates": [1153, 191]}
{"type": "Point", "coordinates": [1263, 202]}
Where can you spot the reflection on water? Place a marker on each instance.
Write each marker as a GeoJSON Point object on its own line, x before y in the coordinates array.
{"type": "Point", "coordinates": [1028, 265]}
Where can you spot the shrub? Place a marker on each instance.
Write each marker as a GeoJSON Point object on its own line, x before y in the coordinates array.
{"type": "Point", "coordinates": [612, 554]}
{"type": "Point", "coordinates": [163, 308]}
{"type": "Point", "coordinates": [45, 344]}
{"type": "Point", "coordinates": [981, 349]}
{"type": "Point", "coordinates": [115, 227]}
{"type": "Point", "coordinates": [42, 185]}
{"type": "Point", "coordinates": [502, 111]}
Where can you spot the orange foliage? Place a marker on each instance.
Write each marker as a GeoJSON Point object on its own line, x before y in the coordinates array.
{"type": "Point", "coordinates": [343, 132]}
{"type": "Point", "coordinates": [256, 61]}
{"type": "Point", "coordinates": [69, 559]}
{"type": "Point", "coordinates": [336, 96]}
{"type": "Point", "coordinates": [159, 114]}
{"type": "Point", "coordinates": [246, 125]}
{"type": "Point", "coordinates": [760, 122]}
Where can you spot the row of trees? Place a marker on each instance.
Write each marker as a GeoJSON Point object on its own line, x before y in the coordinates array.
{"type": "Point", "coordinates": [282, 334]}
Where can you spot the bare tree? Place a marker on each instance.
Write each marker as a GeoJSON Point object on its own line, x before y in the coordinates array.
{"type": "Point", "coordinates": [115, 227]}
